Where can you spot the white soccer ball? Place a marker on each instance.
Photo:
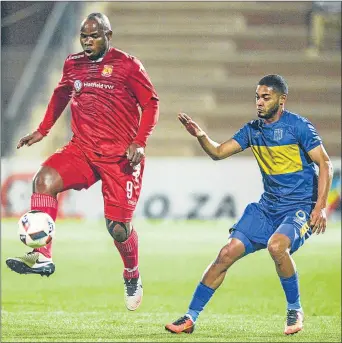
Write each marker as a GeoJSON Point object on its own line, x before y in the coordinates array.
{"type": "Point", "coordinates": [36, 229]}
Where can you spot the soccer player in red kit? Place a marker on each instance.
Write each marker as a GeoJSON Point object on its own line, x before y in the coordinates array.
{"type": "Point", "coordinates": [114, 110]}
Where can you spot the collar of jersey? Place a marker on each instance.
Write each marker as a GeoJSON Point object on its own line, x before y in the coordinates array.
{"type": "Point", "coordinates": [275, 123]}
{"type": "Point", "coordinates": [101, 58]}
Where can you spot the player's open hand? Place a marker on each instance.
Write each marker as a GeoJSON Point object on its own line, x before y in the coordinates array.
{"type": "Point", "coordinates": [191, 126]}
{"type": "Point", "coordinates": [318, 220]}
{"type": "Point", "coordinates": [135, 153]}
{"type": "Point", "coordinates": [30, 139]}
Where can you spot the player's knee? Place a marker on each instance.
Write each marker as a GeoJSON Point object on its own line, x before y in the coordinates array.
{"type": "Point", "coordinates": [277, 248]}
{"type": "Point", "coordinates": [273, 248]}
{"type": "Point", "coordinates": [47, 181]}
{"type": "Point", "coordinates": [225, 258]}
{"type": "Point", "coordinates": [118, 230]}
{"type": "Point", "coordinates": [231, 252]}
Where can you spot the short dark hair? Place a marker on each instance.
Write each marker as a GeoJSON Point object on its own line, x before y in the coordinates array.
{"type": "Point", "coordinates": [102, 19]}
{"type": "Point", "coordinates": [277, 82]}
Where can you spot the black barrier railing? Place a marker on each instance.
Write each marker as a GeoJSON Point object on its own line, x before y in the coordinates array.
{"type": "Point", "coordinates": [53, 45]}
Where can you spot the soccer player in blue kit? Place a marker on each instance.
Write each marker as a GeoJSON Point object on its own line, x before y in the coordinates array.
{"type": "Point", "coordinates": [292, 207]}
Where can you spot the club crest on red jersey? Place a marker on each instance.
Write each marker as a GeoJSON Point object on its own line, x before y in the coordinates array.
{"type": "Point", "coordinates": [78, 85]}
{"type": "Point", "coordinates": [107, 70]}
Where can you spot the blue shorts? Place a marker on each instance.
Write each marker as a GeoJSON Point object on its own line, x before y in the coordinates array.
{"type": "Point", "coordinates": [257, 224]}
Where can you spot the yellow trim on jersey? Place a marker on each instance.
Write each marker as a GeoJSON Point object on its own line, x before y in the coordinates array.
{"type": "Point", "coordinates": [276, 160]}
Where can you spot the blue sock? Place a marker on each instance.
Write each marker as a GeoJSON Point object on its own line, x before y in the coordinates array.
{"type": "Point", "coordinates": [291, 289]}
{"type": "Point", "coordinates": [200, 298]}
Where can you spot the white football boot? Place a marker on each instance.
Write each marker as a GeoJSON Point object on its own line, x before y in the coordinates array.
{"type": "Point", "coordinates": [133, 293]}
{"type": "Point", "coordinates": [294, 321]}
{"type": "Point", "coordinates": [31, 263]}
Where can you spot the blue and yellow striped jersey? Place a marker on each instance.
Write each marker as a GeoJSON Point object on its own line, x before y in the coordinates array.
{"type": "Point", "coordinates": [280, 148]}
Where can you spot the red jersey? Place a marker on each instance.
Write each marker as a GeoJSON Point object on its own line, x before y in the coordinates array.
{"type": "Point", "coordinates": [108, 98]}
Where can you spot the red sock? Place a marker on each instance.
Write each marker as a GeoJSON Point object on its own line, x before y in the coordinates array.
{"type": "Point", "coordinates": [129, 254]}
{"type": "Point", "coordinates": [48, 204]}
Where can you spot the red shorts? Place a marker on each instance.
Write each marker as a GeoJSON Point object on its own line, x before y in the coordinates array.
{"type": "Point", "coordinates": [121, 184]}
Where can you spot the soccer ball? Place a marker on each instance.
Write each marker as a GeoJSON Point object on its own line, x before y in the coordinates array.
{"type": "Point", "coordinates": [36, 229]}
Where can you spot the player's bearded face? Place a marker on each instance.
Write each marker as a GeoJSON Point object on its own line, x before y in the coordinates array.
{"type": "Point", "coordinates": [267, 102]}
{"type": "Point", "coordinates": [94, 40]}
{"type": "Point", "coordinates": [271, 112]}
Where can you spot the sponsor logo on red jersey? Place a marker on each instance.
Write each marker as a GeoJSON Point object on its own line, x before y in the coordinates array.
{"type": "Point", "coordinates": [98, 85]}
{"type": "Point", "coordinates": [107, 70]}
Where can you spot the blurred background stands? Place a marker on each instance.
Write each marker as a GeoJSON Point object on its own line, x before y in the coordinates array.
{"type": "Point", "coordinates": [204, 58]}
{"type": "Point", "coordinates": [323, 16]}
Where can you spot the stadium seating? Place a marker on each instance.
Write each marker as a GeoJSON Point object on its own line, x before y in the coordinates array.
{"type": "Point", "coordinates": [205, 59]}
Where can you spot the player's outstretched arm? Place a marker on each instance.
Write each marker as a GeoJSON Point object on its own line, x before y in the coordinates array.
{"type": "Point", "coordinates": [318, 217]}
{"type": "Point", "coordinates": [30, 139]}
{"type": "Point", "coordinates": [217, 151]}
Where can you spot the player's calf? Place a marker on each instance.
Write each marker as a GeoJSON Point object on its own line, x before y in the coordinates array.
{"type": "Point", "coordinates": [126, 241]}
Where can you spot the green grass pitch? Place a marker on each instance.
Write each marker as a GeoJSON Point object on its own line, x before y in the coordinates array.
{"type": "Point", "coordinates": [83, 300]}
